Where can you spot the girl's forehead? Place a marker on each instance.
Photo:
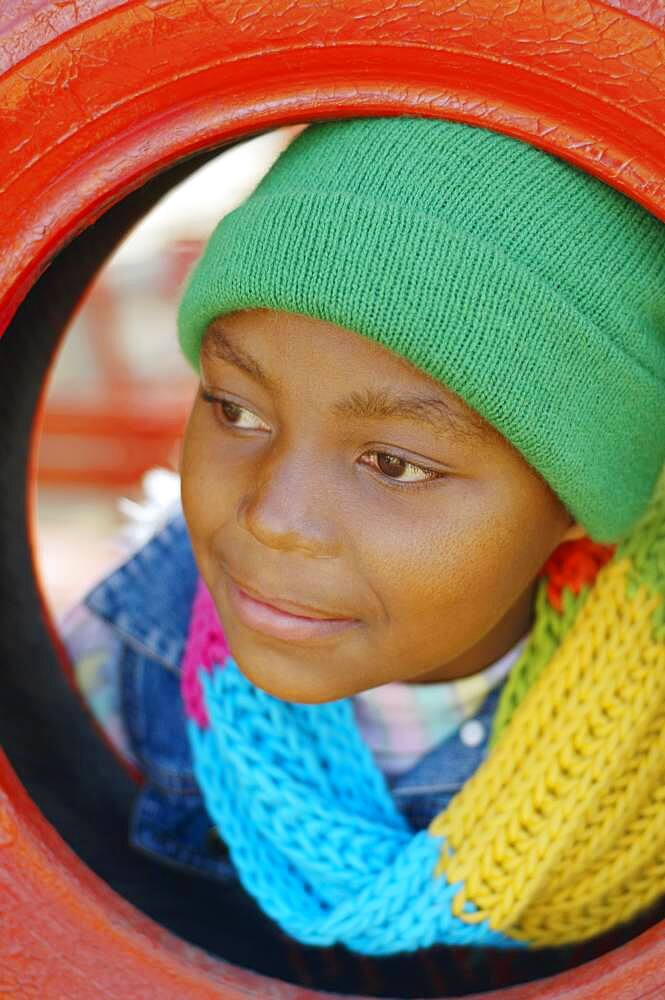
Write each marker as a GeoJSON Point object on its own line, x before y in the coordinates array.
{"type": "Point", "coordinates": [263, 342]}
{"type": "Point", "coordinates": [246, 337]}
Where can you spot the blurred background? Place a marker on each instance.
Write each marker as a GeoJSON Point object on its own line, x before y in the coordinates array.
{"type": "Point", "coordinates": [119, 391]}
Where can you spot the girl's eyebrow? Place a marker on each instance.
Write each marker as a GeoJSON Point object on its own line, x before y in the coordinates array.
{"type": "Point", "coordinates": [216, 344]}
{"type": "Point", "coordinates": [433, 410]}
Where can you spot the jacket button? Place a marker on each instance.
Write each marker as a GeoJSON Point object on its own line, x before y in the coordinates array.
{"type": "Point", "coordinates": [215, 845]}
{"type": "Point", "coordinates": [472, 733]}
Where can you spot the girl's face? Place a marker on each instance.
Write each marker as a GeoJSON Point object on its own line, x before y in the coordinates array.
{"type": "Point", "coordinates": [323, 473]}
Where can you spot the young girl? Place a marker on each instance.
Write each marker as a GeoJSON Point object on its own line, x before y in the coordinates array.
{"type": "Point", "coordinates": [398, 668]}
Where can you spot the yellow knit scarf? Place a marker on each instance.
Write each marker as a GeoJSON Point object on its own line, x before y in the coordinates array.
{"type": "Point", "coordinates": [560, 834]}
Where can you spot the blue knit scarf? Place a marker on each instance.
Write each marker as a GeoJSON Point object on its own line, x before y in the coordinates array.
{"type": "Point", "coordinates": [312, 828]}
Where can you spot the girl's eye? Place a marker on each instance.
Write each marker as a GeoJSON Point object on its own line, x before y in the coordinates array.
{"type": "Point", "coordinates": [392, 466]}
{"type": "Point", "coordinates": [233, 414]}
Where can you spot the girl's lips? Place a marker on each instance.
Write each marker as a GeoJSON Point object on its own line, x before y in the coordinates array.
{"type": "Point", "coordinates": [280, 624]}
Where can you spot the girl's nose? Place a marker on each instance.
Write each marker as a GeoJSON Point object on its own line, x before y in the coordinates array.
{"type": "Point", "coordinates": [289, 505]}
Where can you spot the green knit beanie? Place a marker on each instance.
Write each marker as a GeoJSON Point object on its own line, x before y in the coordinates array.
{"type": "Point", "coordinates": [530, 288]}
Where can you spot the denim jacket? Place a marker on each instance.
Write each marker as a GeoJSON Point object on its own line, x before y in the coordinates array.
{"type": "Point", "coordinates": [147, 602]}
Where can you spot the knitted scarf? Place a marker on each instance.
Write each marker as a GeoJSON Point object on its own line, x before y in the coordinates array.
{"type": "Point", "coordinates": [557, 837]}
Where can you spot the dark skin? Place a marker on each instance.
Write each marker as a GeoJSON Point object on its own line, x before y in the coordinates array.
{"type": "Point", "coordinates": [430, 533]}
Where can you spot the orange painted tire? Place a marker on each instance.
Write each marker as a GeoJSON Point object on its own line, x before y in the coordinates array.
{"type": "Point", "coordinates": [103, 105]}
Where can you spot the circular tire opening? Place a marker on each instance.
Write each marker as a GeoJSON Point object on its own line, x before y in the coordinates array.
{"type": "Point", "coordinates": [70, 774]}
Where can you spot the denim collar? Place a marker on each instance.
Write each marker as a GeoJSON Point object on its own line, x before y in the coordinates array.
{"type": "Point", "coordinates": [149, 597]}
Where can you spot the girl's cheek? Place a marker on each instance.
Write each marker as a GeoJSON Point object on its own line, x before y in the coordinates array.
{"type": "Point", "coordinates": [198, 477]}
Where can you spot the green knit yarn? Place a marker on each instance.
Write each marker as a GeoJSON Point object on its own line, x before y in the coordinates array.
{"type": "Point", "coordinates": [529, 287]}
{"type": "Point", "coordinates": [547, 634]}
{"type": "Point", "coordinates": [646, 550]}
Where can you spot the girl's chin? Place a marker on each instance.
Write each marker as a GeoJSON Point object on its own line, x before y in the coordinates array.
{"type": "Point", "coordinates": [282, 678]}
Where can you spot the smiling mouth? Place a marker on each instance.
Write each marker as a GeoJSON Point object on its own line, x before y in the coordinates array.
{"type": "Point", "coordinates": [291, 608]}
{"type": "Point", "coordinates": [280, 624]}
